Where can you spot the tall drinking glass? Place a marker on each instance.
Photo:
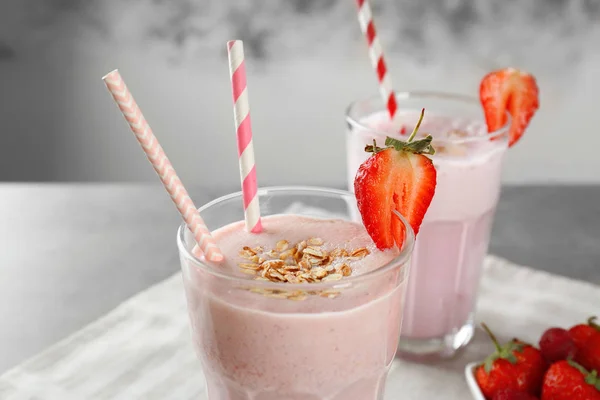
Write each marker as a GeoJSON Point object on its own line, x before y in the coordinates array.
{"type": "Point", "coordinates": [453, 239]}
{"type": "Point", "coordinates": [263, 340]}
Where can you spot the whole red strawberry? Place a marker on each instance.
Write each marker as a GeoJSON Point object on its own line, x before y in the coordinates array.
{"type": "Point", "coordinates": [512, 394]}
{"type": "Point", "coordinates": [567, 380]}
{"type": "Point", "coordinates": [515, 365]}
{"type": "Point", "coordinates": [589, 354]}
{"type": "Point", "coordinates": [587, 341]}
{"type": "Point", "coordinates": [396, 179]}
{"type": "Point", "coordinates": [582, 332]}
{"type": "Point", "coordinates": [509, 91]}
{"type": "Point", "coordinates": [556, 344]}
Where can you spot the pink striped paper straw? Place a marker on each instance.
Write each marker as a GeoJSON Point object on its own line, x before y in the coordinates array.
{"type": "Point", "coordinates": [241, 116]}
{"type": "Point", "coordinates": [157, 157]}
{"type": "Point", "coordinates": [365, 18]}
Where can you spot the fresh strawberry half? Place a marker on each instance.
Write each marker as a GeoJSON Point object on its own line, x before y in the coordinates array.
{"type": "Point", "coordinates": [509, 90]}
{"type": "Point", "coordinates": [398, 177]}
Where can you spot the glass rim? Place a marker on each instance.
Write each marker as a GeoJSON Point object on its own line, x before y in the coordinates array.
{"type": "Point", "coordinates": [400, 260]}
{"type": "Point", "coordinates": [424, 94]}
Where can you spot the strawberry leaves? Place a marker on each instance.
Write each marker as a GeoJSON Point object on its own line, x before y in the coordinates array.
{"type": "Point", "coordinates": [421, 146]}
{"type": "Point", "coordinates": [505, 352]}
{"type": "Point", "coordinates": [591, 378]}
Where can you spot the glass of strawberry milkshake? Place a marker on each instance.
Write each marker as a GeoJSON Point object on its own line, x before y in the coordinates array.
{"type": "Point", "coordinates": [308, 309]}
{"type": "Point", "coordinates": [454, 236]}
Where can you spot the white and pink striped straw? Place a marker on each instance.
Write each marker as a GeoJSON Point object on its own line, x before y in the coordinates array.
{"type": "Point", "coordinates": [241, 115]}
{"type": "Point", "coordinates": [365, 18]}
{"type": "Point", "coordinates": [157, 157]}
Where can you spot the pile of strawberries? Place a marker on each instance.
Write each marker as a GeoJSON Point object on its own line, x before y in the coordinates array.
{"type": "Point", "coordinates": [565, 367]}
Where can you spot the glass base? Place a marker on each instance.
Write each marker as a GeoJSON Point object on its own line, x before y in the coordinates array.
{"type": "Point", "coordinates": [432, 349]}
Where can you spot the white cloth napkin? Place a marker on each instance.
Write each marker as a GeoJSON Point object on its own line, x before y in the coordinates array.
{"type": "Point", "coordinates": [142, 349]}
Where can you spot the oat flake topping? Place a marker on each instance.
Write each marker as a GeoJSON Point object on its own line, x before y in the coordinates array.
{"type": "Point", "coordinates": [302, 262]}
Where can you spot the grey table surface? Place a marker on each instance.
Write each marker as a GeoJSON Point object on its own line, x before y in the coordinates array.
{"type": "Point", "coordinates": [72, 252]}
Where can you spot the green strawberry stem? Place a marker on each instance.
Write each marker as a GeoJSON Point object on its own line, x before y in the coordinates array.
{"type": "Point", "coordinates": [421, 146]}
{"type": "Point", "coordinates": [492, 336]}
{"type": "Point", "coordinates": [591, 322]}
{"type": "Point", "coordinates": [505, 352]}
{"type": "Point", "coordinates": [591, 378]}
{"type": "Point", "coordinates": [416, 128]}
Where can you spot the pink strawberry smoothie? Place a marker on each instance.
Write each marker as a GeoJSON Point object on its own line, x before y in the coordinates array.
{"type": "Point", "coordinates": [256, 347]}
{"type": "Point", "coordinates": [454, 236]}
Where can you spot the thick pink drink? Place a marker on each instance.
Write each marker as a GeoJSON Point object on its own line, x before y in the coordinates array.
{"type": "Point", "coordinates": [454, 237]}
{"type": "Point", "coordinates": [265, 340]}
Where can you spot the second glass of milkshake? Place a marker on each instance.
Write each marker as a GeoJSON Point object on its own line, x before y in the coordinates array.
{"type": "Point", "coordinates": [267, 326]}
{"type": "Point", "coordinates": [454, 236]}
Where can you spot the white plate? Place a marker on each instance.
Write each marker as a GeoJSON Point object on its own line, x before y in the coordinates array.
{"type": "Point", "coordinates": [470, 375]}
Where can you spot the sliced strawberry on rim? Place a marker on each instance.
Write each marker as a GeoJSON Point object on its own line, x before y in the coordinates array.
{"type": "Point", "coordinates": [397, 178]}
{"type": "Point", "coordinates": [509, 90]}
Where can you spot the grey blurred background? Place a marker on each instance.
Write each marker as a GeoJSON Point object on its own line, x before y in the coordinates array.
{"type": "Point", "coordinates": [306, 61]}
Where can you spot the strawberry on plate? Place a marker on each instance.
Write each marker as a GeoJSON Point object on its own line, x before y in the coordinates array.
{"type": "Point", "coordinates": [513, 91]}
{"type": "Point", "coordinates": [515, 365]}
{"type": "Point", "coordinates": [512, 394]}
{"type": "Point", "coordinates": [566, 380]}
{"type": "Point", "coordinates": [580, 333]}
{"type": "Point", "coordinates": [587, 341]}
{"type": "Point", "coordinates": [398, 177]}
{"type": "Point", "coordinates": [556, 344]}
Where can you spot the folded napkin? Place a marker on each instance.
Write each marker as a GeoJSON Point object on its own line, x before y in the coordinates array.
{"type": "Point", "coordinates": [143, 350]}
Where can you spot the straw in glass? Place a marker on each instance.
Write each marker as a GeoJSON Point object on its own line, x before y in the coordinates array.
{"type": "Point", "coordinates": [157, 157]}
{"type": "Point", "coordinates": [365, 19]}
{"type": "Point", "coordinates": [241, 116]}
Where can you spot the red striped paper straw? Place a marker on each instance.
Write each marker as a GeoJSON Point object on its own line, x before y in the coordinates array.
{"type": "Point", "coordinates": [365, 18]}
{"type": "Point", "coordinates": [241, 116]}
{"type": "Point", "coordinates": [157, 157]}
